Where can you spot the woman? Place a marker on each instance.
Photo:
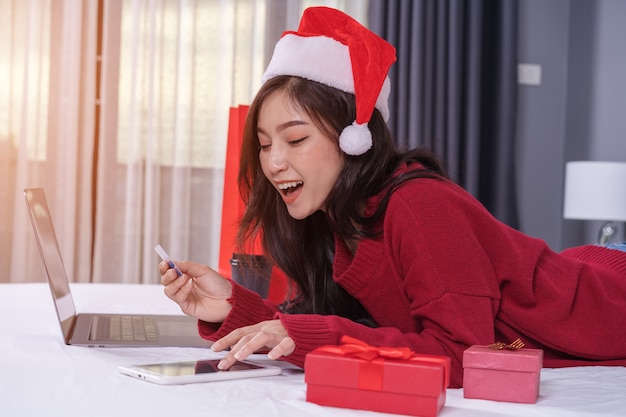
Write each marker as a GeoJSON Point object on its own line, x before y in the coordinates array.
{"type": "Point", "coordinates": [379, 244]}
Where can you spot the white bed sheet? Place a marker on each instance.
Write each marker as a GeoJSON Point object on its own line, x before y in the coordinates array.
{"type": "Point", "coordinates": [41, 376]}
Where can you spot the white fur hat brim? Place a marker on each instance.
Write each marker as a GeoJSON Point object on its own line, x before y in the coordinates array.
{"type": "Point", "coordinates": [321, 59]}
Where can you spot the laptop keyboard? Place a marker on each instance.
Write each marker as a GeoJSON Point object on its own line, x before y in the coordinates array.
{"type": "Point", "coordinates": [125, 328]}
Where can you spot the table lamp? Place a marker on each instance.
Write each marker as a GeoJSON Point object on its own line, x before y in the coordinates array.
{"type": "Point", "coordinates": [596, 191]}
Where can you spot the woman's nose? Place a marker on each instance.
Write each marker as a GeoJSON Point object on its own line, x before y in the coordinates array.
{"type": "Point", "coordinates": [277, 159]}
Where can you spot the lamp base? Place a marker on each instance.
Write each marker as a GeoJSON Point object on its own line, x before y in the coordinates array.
{"type": "Point", "coordinates": [606, 234]}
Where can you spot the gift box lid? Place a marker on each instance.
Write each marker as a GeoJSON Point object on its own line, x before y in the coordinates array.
{"type": "Point", "coordinates": [336, 366]}
{"type": "Point", "coordinates": [485, 357]}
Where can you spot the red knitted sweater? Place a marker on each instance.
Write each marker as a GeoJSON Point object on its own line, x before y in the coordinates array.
{"type": "Point", "coordinates": [445, 275]}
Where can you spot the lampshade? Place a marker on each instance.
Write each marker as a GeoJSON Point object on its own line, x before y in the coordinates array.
{"type": "Point", "coordinates": [595, 191]}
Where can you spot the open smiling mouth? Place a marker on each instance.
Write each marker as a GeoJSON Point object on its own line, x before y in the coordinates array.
{"type": "Point", "coordinates": [289, 187]}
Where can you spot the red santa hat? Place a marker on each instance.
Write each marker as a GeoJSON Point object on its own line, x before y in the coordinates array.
{"type": "Point", "coordinates": [332, 48]}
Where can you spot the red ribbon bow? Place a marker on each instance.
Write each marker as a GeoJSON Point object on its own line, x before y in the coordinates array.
{"type": "Point", "coordinates": [371, 371]}
{"type": "Point", "coordinates": [358, 349]}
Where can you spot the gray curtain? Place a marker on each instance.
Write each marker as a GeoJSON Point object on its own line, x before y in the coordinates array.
{"type": "Point", "coordinates": [454, 89]}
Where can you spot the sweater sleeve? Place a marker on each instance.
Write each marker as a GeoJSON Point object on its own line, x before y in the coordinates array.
{"type": "Point", "coordinates": [248, 309]}
{"type": "Point", "coordinates": [440, 336]}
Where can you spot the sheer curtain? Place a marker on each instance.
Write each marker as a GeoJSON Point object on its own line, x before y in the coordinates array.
{"type": "Point", "coordinates": [119, 109]}
{"type": "Point", "coordinates": [171, 70]}
{"type": "Point", "coordinates": [46, 126]}
{"type": "Point", "coordinates": [182, 65]}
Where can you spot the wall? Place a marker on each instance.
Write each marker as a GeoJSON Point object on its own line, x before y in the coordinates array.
{"type": "Point", "coordinates": [578, 112]}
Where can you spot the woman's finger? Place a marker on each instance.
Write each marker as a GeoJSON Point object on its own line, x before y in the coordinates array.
{"type": "Point", "coordinates": [230, 339]}
{"type": "Point", "coordinates": [175, 285]}
{"type": "Point", "coordinates": [284, 348]}
{"type": "Point", "coordinates": [245, 346]}
{"type": "Point", "coordinates": [163, 267]}
{"type": "Point", "coordinates": [168, 277]}
{"type": "Point", "coordinates": [250, 339]}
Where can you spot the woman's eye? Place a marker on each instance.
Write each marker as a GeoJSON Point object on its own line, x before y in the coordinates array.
{"type": "Point", "coordinates": [264, 147]}
{"type": "Point", "coordinates": [297, 141]}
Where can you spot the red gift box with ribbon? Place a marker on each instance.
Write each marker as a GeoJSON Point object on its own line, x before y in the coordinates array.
{"type": "Point", "coordinates": [497, 372]}
{"type": "Point", "coordinates": [391, 380]}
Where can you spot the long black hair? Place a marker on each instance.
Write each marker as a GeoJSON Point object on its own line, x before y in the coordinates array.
{"type": "Point", "coordinates": [304, 249]}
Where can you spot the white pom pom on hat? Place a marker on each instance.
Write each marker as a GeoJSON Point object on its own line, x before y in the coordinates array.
{"type": "Point", "coordinates": [332, 48]}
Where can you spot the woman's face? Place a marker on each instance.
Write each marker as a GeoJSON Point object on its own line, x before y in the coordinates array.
{"type": "Point", "coordinates": [300, 161]}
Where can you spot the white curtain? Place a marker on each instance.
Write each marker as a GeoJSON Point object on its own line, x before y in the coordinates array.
{"type": "Point", "coordinates": [46, 129]}
{"type": "Point", "coordinates": [182, 64]}
{"type": "Point", "coordinates": [122, 115]}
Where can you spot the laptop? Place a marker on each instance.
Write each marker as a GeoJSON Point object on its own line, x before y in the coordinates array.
{"type": "Point", "coordinates": [94, 329]}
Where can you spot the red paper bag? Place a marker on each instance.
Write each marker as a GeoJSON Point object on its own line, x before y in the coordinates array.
{"type": "Point", "coordinates": [233, 207]}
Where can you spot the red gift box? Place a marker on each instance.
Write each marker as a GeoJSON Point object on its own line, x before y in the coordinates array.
{"type": "Point", "coordinates": [502, 375]}
{"type": "Point", "coordinates": [391, 380]}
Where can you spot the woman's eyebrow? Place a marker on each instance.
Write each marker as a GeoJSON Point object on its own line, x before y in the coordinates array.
{"type": "Point", "coordinates": [283, 126]}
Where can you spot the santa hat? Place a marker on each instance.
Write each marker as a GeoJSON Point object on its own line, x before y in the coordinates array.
{"type": "Point", "coordinates": [332, 48]}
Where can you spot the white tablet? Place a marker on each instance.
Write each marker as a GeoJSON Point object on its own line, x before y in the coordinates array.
{"type": "Point", "coordinates": [189, 372]}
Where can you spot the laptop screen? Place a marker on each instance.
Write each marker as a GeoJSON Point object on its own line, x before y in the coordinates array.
{"type": "Point", "coordinates": [51, 256]}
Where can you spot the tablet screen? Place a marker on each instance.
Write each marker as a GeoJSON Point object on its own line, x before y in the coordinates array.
{"type": "Point", "coordinates": [205, 366]}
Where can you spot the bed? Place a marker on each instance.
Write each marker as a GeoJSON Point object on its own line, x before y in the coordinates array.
{"type": "Point", "coordinates": [41, 376]}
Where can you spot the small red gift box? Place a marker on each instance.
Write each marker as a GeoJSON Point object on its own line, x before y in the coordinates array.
{"type": "Point", "coordinates": [391, 380]}
{"type": "Point", "coordinates": [502, 374]}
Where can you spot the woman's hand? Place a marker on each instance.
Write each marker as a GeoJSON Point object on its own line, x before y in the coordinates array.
{"type": "Point", "coordinates": [200, 292]}
{"type": "Point", "coordinates": [246, 340]}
